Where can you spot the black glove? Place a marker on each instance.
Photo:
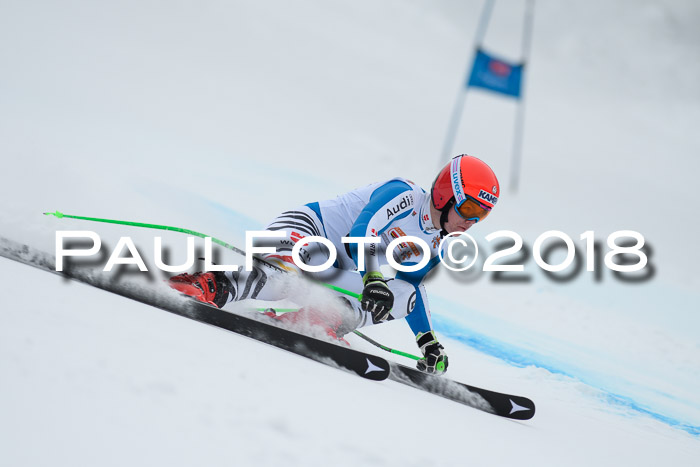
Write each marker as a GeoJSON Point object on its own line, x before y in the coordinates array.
{"type": "Point", "coordinates": [376, 297]}
{"type": "Point", "coordinates": [434, 357]}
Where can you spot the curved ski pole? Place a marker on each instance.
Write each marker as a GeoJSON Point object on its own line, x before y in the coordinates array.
{"type": "Point", "coordinates": [388, 349]}
{"type": "Point", "coordinates": [194, 233]}
{"type": "Point", "coordinates": [367, 338]}
{"type": "Point", "coordinates": [60, 215]}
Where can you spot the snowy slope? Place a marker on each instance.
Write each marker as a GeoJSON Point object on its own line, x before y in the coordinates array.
{"type": "Point", "coordinates": [102, 380]}
{"type": "Point", "coordinates": [216, 115]}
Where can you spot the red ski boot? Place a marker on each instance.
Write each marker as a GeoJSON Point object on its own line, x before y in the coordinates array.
{"type": "Point", "coordinates": [213, 288]}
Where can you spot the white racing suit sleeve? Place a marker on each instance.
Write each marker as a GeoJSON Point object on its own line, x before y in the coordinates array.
{"type": "Point", "coordinates": [388, 203]}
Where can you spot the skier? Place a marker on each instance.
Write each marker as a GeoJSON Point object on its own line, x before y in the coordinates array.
{"type": "Point", "coordinates": [463, 193]}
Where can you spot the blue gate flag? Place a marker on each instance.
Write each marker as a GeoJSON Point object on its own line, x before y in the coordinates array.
{"type": "Point", "coordinates": [496, 75]}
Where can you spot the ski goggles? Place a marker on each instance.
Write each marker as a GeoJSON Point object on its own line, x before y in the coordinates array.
{"type": "Point", "coordinates": [472, 210]}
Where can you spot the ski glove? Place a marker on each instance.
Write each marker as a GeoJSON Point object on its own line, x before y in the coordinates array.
{"type": "Point", "coordinates": [376, 297]}
{"type": "Point", "coordinates": [434, 357]}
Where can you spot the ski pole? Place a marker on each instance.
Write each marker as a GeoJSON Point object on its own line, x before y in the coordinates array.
{"type": "Point", "coordinates": [194, 233]}
{"type": "Point", "coordinates": [365, 337]}
{"type": "Point", "coordinates": [61, 215]}
{"type": "Point", "coordinates": [388, 349]}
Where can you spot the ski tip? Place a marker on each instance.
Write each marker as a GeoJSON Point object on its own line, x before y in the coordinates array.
{"type": "Point", "coordinates": [57, 214]}
{"type": "Point", "coordinates": [521, 408]}
{"type": "Point", "coordinates": [377, 368]}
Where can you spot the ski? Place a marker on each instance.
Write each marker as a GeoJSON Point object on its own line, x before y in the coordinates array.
{"type": "Point", "coordinates": [497, 403]}
{"type": "Point", "coordinates": [504, 405]}
{"type": "Point", "coordinates": [370, 366]}
{"type": "Point", "coordinates": [363, 364]}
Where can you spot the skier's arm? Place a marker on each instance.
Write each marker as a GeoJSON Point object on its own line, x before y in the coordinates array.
{"type": "Point", "coordinates": [434, 357]}
{"type": "Point", "coordinates": [389, 203]}
{"type": "Point", "coordinates": [419, 318]}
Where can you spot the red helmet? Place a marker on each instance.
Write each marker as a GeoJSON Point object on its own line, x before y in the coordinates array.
{"type": "Point", "coordinates": [465, 177]}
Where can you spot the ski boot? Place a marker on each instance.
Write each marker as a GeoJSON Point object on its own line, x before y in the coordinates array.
{"type": "Point", "coordinates": [213, 288]}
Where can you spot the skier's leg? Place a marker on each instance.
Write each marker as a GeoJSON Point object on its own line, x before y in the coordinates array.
{"type": "Point", "coordinates": [265, 283]}
{"type": "Point", "coordinates": [342, 312]}
{"type": "Point", "coordinates": [261, 282]}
